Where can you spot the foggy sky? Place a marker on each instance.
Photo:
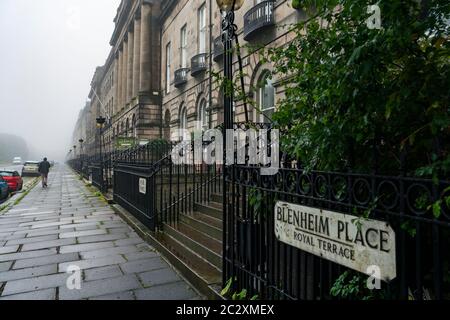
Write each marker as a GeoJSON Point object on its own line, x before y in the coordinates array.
{"type": "Point", "coordinates": [48, 53]}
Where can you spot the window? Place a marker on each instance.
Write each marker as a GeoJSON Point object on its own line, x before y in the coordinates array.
{"type": "Point", "coordinates": [266, 99]}
{"type": "Point", "coordinates": [168, 67]}
{"type": "Point", "coordinates": [202, 29]}
{"type": "Point", "coordinates": [183, 122]}
{"type": "Point", "coordinates": [183, 48]}
{"type": "Point", "coordinates": [203, 115]}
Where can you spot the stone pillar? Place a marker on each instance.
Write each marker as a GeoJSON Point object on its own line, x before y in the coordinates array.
{"type": "Point", "coordinates": [120, 80]}
{"type": "Point", "coordinates": [130, 65]}
{"type": "Point", "coordinates": [116, 84]}
{"type": "Point", "coordinates": [137, 56]}
{"type": "Point", "coordinates": [125, 72]}
{"type": "Point", "coordinates": [145, 73]}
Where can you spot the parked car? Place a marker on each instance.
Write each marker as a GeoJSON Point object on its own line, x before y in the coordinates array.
{"type": "Point", "coordinates": [17, 160]}
{"type": "Point", "coordinates": [13, 179]}
{"type": "Point", "coordinates": [4, 190]}
{"type": "Point", "coordinates": [30, 168]}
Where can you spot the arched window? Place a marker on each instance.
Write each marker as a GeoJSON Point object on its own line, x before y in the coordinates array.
{"type": "Point", "coordinates": [203, 115]}
{"type": "Point", "coordinates": [266, 99]}
{"type": "Point", "coordinates": [127, 128]}
{"type": "Point", "coordinates": [183, 120]}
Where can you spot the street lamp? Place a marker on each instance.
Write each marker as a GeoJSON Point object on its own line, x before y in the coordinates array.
{"type": "Point", "coordinates": [229, 30]}
{"type": "Point", "coordinates": [81, 154]}
{"type": "Point", "coordinates": [230, 5]}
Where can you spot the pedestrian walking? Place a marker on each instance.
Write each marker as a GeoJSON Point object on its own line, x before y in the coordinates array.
{"type": "Point", "coordinates": [44, 169]}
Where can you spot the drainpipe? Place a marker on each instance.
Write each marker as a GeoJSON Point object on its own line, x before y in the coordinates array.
{"type": "Point", "coordinates": [161, 123]}
{"type": "Point", "coordinates": [210, 63]}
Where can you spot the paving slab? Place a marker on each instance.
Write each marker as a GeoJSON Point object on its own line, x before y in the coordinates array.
{"type": "Point", "coordinates": [92, 289]}
{"type": "Point", "coordinates": [55, 259]}
{"type": "Point", "coordinates": [125, 296]}
{"type": "Point", "coordinates": [102, 273]}
{"type": "Point", "coordinates": [144, 265]}
{"type": "Point", "coordinates": [9, 249]}
{"type": "Point", "coordinates": [92, 263]}
{"type": "Point", "coordinates": [34, 284]}
{"type": "Point", "coordinates": [109, 251]}
{"type": "Point", "coordinates": [86, 247]}
{"type": "Point", "coordinates": [48, 294]}
{"type": "Point", "coordinates": [26, 255]}
{"type": "Point", "coordinates": [5, 266]}
{"type": "Point", "coordinates": [158, 277]}
{"type": "Point", "coordinates": [173, 291]}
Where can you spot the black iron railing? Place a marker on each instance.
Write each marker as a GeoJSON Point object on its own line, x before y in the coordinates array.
{"type": "Point", "coordinates": [199, 64]}
{"type": "Point", "coordinates": [180, 186]}
{"type": "Point", "coordinates": [133, 191]}
{"type": "Point", "coordinates": [168, 188]}
{"type": "Point", "coordinates": [97, 176]}
{"type": "Point", "coordinates": [218, 49]}
{"type": "Point", "coordinates": [271, 269]}
{"type": "Point", "coordinates": [260, 16]}
{"type": "Point", "coordinates": [181, 77]}
{"type": "Point", "coordinates": [157, 190]}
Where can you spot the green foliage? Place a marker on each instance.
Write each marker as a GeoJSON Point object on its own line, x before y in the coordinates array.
{"type": "Point", "coordinates": [255, 199]}
{"type": "Point", "coordinates": [352, 285]}
{"type": "Point", "coordinates": [297, 4]}
{"type": "Point", "coordinates": [409, 227]}
{"type": "Point", "coordinates": [242, 295]}
{"type": "Point", "coordinates": [348, 85]}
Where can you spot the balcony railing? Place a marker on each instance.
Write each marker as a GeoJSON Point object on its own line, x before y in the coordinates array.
{"type": "Point", "coordinates": [181, 77]}
{"type": "Point", "coordinates": [218, 49]}
{"type": "Point", "coordinates": [260, 16]}
{"type": "Point", "coordinates": [198, 64]}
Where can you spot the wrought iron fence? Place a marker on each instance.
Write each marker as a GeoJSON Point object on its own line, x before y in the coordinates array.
{"type": "Point", "coordinates": [167, 188]}
{"type": "Point", "coordinates": [255, 260]}
{"type": "Point", "coordinates": [150, 185]}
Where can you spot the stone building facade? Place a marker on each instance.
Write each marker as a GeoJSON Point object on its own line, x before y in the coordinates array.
{"type": "Point", "coordinates": [126, 89]}
{"type": "Point", "coordinates": [191, 48]}
{"type": "Point", "coordinates": [157, 76]}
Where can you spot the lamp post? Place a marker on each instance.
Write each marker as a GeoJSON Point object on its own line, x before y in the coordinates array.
{"type": "Point", "coordinates": [100, 124]}
{"type": "Point", "coordinates": [229, 28]}
{"type": "Point", "coordinates": [81, 155]}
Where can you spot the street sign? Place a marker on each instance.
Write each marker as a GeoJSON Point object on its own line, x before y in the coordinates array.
{"type": "Point", "coordinates": [123, 143]}
{"type": "Point", "coordinates": [143, 185]}
{"type": "Point", "coordinates": [357, 243]}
